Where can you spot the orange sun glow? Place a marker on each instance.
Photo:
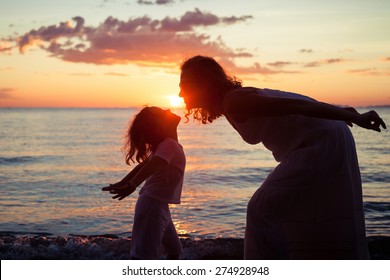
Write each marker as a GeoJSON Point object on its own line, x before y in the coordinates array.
{"type": "Point", "coordinates": [176, 101]}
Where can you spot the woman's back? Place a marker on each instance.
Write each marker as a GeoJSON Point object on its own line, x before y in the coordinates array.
{"type": "Point", "coordinates": [281, 134]}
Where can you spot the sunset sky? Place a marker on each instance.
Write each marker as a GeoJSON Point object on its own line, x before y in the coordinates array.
{"type": "Point", "coordinates": [114, 53]}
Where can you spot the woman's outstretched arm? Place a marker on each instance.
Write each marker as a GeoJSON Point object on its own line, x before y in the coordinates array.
{"type": "Point", "coordinates": [242, 106]}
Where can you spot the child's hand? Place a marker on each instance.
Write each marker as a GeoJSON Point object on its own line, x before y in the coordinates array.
{"type": "Point", "coordinates": [122, 193]}
{"type": "Point", "coordinates": [120, 190]}
{"type": "Point", "coordinates": [115, 187]}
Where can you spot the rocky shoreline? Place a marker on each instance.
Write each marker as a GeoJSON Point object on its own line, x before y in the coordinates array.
{"type": "Point", "coordinates": [110, 247]}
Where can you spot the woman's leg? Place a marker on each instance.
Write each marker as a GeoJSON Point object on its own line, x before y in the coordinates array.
{"type": "Point", "coordinates": [310, 205]}
{"type": "Point", "coordinates": [264, 238]}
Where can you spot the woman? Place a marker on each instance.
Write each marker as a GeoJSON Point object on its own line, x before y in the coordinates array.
{"type": "Point", "coordinates": [310, 206]}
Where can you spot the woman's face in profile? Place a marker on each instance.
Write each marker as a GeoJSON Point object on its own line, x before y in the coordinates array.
{"type": "Point", "coordinates": [191, 90]}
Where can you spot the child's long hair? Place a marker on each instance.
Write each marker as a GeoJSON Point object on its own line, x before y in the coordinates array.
{"type": "Point", "coordinates": [142, 137]}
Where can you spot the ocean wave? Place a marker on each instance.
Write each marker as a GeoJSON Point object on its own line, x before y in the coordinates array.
{"type": "Point", "coordinates": [377, 207]}
{"type": "Point", "coordinates": [16, 160]}
{"type": "Point", "coordinates": [240, 177]}
{"type": "Point", "coordinates": [27, 159]}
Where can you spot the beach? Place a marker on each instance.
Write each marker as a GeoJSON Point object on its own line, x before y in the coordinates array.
{"type": "Point", "coordinates": [109, 247]}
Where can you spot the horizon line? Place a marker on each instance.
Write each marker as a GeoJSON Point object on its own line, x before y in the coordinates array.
{"type": "Point", "coordinates": [140, 106]}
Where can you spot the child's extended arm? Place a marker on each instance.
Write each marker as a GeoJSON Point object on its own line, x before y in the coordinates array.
{"type": "Point", "coordinates": [122, 184]}
{"type": "Point", "coordinates": [147, 169]}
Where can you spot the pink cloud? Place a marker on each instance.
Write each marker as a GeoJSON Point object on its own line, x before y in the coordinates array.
{"type": "Point", "coordinates": [51, 33]}
{"type": "Point", "coordinates": [156, 2]}
{"type": "Point", "coordinates": [5, 48]}
{"type": "Point", "coordinates": [325, 62]}
{"type": "Point", "coordinates": [370, 72]}
{"type": "Point", "coordinates": [280, 64]}
{"type": "Point", "coordinates": [305, 51]}
{"type": "Point", "coordinates": [143, 41]}
{"type": "Point", "coordinates": [256, 68]}
{"type": "Point", "coordinates": [7, 45]}
{"type": "Point", "coordinates": [116, 74]}
{"type": "Point", "coordinates": [333, 60]}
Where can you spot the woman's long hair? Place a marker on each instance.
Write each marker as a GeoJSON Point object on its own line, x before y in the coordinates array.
{"type": "Point", "coordinates": [142, 137]}
{"type": "Point", "coordinates": [205, 69]}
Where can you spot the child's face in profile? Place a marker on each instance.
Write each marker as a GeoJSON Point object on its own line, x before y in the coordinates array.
{"type": "Point", "coordinates": [165, 118]}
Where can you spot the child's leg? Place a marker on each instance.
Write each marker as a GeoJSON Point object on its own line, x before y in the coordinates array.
{"type": "Point", "coordinates": [171, 242]}
{"type": "Point", "coordinates": [150, 222]}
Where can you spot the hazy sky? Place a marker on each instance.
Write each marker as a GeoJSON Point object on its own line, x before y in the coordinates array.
{"type": "Point", "coordinates": [113, 53]}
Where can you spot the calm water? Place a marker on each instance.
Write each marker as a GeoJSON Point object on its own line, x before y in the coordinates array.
{"type": "Point", "coordinates": [54, 162]}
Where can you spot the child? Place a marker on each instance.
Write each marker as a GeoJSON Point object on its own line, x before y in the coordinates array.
{"type": "Point", "coordinates": [152, 141]}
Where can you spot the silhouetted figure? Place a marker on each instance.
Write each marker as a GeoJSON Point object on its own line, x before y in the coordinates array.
{"type": "Point", "coordinates": [310, 206]}
{"type": "Point", "coordinates": [152, 141]}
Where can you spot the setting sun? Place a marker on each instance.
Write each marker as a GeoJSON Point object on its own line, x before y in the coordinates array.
{"type": "Point", "coordinates": [176, 101]}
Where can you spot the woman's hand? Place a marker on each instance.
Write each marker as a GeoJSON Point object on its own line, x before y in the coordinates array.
{"type": "Point", "coordinates": [352, 110]}
{"type": "Point", "coordinates": [370, 120]}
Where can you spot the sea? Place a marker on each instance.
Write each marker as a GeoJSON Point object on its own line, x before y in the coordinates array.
{"type": "Point", "coordinates": [54, 162]}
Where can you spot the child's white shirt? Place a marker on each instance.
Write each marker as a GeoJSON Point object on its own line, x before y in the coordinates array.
{"type": "Point", "coordinates": [166, 184]}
